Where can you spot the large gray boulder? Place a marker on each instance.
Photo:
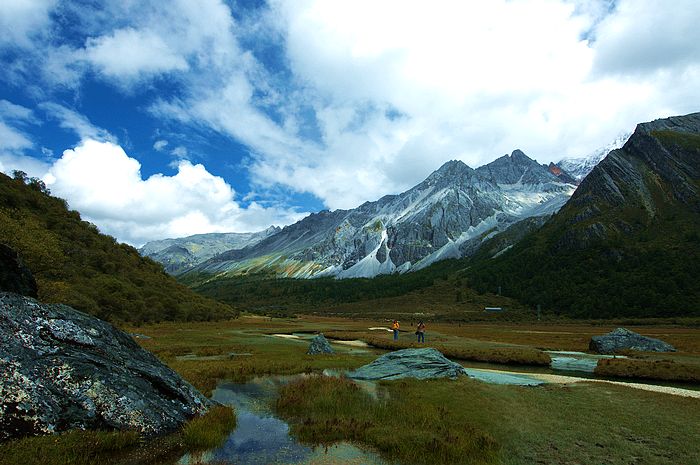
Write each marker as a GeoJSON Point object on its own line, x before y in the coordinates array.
{"type": "Point", "coordinates": [410, 363]}
{"type": "Point", "coordinates": [61, 369]}
{"type": "Point", "coordinates": [624, 339]}
{"type": "Point", "coordinates": [14, 275]}
{"type": "Point", "coordinates": [319, 345]}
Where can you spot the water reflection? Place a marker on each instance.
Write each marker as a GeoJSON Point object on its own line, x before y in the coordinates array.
{"type": "Point", "coordinates": [262, 438]}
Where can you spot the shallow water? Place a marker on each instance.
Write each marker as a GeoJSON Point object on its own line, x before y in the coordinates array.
{"type": "Point", "coordinates": [495, 377]}
{"type": "Point", "coordinates": [262, 438]}
{"type": "Point", "coordinates": [576, 361]}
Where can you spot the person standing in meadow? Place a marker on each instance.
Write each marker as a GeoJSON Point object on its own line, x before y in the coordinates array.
{"type": "Point", "coordinates": [395, 328]}
{"type": "Point", "coordinates": [420, 331]}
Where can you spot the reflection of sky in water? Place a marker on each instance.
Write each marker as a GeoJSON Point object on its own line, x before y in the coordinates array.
{"type": "Point", "coordinates": [260, 438]}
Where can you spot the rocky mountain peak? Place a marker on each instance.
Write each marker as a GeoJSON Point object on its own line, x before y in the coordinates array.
{"type": "Point", "coordinates": [516, 168]}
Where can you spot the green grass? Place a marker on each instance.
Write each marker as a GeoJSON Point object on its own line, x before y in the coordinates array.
{"type": "Point", "coordinates": [325, 410]}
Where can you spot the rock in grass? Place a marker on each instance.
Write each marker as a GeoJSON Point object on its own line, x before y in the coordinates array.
{"type": "Point", "coordinates": [62, 369]}
{"type": "Point", "coordinates": [319, 345]}
{"type": "Point", "coordinates": [410, 363]}
{"type": "Point", "coordinates": [624, 339]}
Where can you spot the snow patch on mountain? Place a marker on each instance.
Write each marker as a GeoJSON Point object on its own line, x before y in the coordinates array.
{"type": "Point", "coordinates": [579, 167]}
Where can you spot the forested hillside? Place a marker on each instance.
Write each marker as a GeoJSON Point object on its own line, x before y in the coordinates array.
{"type": "Point", "coordinates": [628, 241]}
{"type": "Point", "coordinates": [75, 264]}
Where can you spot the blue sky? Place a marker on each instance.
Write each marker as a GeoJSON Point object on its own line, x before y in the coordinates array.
{"type": "Point", "coordinates": [159, 119]}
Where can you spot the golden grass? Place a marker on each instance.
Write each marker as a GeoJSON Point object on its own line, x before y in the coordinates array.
{"type": "Point", "coordinates": [666, 370]}
{"type": "Point", "coordinates": [466, 421]}
{"type": "Point", "coordinates": [325, 410]}
{"type": "Point", "coordinates": [209, 431]}
{"type": "Point", "coordinates": [79, 447]}
{"type": "Point", "coordinates": [453, 349]}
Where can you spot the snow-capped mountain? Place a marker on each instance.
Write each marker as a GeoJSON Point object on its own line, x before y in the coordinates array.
{"type": "Point", "coordinates": [439, 218]}
{"type": "Point", "coordinates": [580, 167]}
{"type": "Point", "coordinates": [181, 254]}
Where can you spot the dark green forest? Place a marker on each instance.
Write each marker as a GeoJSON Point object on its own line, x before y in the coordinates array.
{"type": "Point", "coordinates": [73, 263]}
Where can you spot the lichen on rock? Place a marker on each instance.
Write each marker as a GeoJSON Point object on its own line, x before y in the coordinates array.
{"type": "Point", "coordinates": [61, 369]}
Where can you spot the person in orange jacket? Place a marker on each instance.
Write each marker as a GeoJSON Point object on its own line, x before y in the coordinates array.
{"type": "Point", "coordinates": [395, 328]}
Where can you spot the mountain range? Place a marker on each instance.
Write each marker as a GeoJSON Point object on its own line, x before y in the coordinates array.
{"type": "Point", "coordinates": [180, 254]}
{"type": "Point", "coordinates": [626, 243]}
{"type": "Point", "coordinates": [448, 215]}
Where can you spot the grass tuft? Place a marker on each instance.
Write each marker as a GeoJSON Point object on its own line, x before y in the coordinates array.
{"type": "Point", "coordinates": [402, 427]}
{"type": "Point", "coordinates": [210, 430]}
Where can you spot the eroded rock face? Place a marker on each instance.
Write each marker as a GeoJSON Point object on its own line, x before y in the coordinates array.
{"type": "Point", "coordinates": [410, 363]}
{"type": "Point", "coordinates": [319, 345]}
{"type": "Point", "coordinates": [14, 275]}
{"type": "Point", "coordinates": [61, 369]}
{"type": "Point", "coordinates": [624, 339]}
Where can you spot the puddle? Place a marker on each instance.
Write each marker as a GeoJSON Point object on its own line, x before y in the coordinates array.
{"type": "Point", "coordinates": [576, 361]}
{"type": "Point", "coordinates": [380, 328]}
{"type": "Point", "coordinates": [496, 377]}
{"type": "Point", "coordinates": [262, 438]}
{"type": "Point", "coordinates": [355, 343]}
{"type": "Point", "coordinates": [287, 336]}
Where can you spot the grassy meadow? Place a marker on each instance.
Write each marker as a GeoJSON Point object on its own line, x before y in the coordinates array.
{"type": "Point", "coordinates": [421, 422]}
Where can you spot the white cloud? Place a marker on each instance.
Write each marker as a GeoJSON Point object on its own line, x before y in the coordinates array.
{"type": "Point", "coordinates": [102, 182]}
{"type": "Point", "coordinates": [76, 122]}
{"type": "Point", "coordinates": [129, 53]}
{"type": "Point", "coordinates": [15, 142]}
{"type": "Point", "coordinates": [179, 152]}
{"type": "Point", "coordinates": [394, 88]}
{"type": "Point", "coordinates": [20, 20]}
{"type": "Point", "coordinates": [159, 145]}
{"type": "Point", "coordinates": [646, 36]}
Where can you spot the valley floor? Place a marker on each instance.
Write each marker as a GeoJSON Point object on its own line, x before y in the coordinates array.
{"type": "Point", "coordinates": [565, 421]}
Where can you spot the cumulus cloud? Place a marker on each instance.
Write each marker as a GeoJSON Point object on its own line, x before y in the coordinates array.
{"type": "Point", "coordinates": [366, 98]}
{"type": "Point", "coordinates": [102, 182]}
{"type": "Point", "coordinates": [160, 144]}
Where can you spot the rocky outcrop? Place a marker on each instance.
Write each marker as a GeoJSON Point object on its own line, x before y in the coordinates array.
{"type": "Point", "coordinates": [14, 275]}
{"type": "Point", "coordinates": [624, 339]}
{"type": "Point", "coordinates": [319, 345]}
{"type": "Point", "coordinates": [410, 363]}
{"type": "Point", "coordinates": [61, 369]}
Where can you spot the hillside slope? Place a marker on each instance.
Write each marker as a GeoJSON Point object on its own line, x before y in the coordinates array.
{"type": "Point", "coordinates": [626, 243]}
{"type": "Point", "coordinates": [76, 265]}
